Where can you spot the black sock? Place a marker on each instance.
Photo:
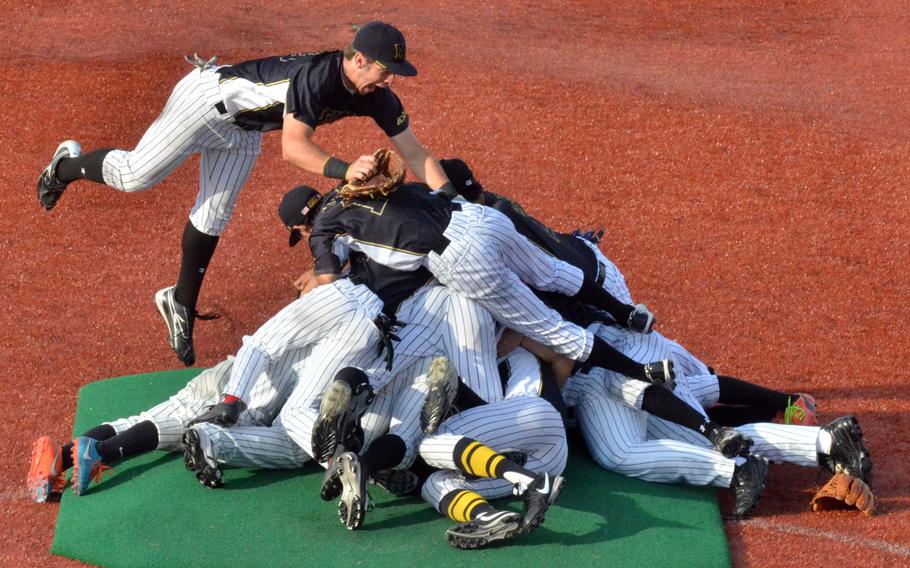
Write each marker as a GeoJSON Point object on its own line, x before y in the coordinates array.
{"type": "Point", "coordinates": [664, 404]}
{"type": "Point", "coordinates": [591, 293]}
{"type": "Point", "coordinates": [198, 249]}
{"type": "Point", "coordinates": [733, 415]}
{"type": "Point", "coordinates": [384, 452]}
{"type": "Point", "coordinates": [467, 398]}
{"type": "Point", "coordinates": [99, 432]}
{"type": "Point", "coordinates": [604, 355]}
{"type": "Point", "coordinates": [738, 391]}
{"type": "Point", "coordinates": [138, 439]}
{"type": "Point", "coordinates": [87, 166]}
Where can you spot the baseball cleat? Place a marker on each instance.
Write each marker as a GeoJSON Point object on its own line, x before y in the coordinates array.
{"type": "Point", "coordinates": [848, 450]}
{"type": "Point", "coordinates": [730, 442]}
{"type": "Point", "coordinates": [398, 482]}
{"type": "Point", "coordinates": [538, 497]}
{"type": "Point", "coordinates": [441, 393]}
{"type": "Point", "coordinates": [45, 476]}
{"type": "Point", "coordinates": [800, 411]}
{"type": "Point", "coordinates": [50, 189]}
{"type": "Point", "coordinates": [641, 319]}
{"type": "Point", "coordinates": [87, 466]}
{"type": "Point", "coordinates": [339, 414]}
{"type": "Point", "coordinates": [747, 485]}
{"type": "Point", "coordinates": [224, 414]}
{"type": "Point", "coordinates": [484, 529]}
{"type": "Point", "coordinates": [179, 320]}
{"type": "Point", "coordinates": [199, 457]}
{"type": "Point", "coordinates": [331, 481]}
{"type": "Point", "coordinates": [352, 507]}
{"type": "Point", "coordinates": [660, 373]}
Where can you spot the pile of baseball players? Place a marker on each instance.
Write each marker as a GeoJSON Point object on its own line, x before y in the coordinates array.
{"type": "Point", "coordinates": [444, 339]}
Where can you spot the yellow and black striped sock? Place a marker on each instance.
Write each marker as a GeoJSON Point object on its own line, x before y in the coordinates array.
{"type": "Point", "coordinates": [462, 505]}
{"type": "Point", "coordinates": [479, 460]}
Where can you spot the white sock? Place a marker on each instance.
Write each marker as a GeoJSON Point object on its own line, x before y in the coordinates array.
{"type": "Point", "coordinates": [823, 442]}
{"type": "Point", "coordinates": [519, 479]}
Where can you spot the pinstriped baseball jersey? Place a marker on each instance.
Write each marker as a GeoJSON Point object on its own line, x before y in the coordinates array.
{"type": "Point", "coordinates": [476, 252]}
{"type": "Point", "coordinates": [309, 86]}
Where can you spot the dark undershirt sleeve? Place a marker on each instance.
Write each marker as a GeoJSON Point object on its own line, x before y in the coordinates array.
{"type": "Point", "coordinates": [321, 241]}
{"type": "Point", "coordinates": [389, 113]}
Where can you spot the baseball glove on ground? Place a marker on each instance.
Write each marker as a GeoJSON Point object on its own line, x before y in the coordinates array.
{"type": "Point", "coordinates": [844, 492]}
{"type": "Point", "coordinates": [389, 175]}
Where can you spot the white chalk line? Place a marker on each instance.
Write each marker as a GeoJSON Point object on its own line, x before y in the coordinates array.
{"type": "Point", "coordinates": [888, 547]}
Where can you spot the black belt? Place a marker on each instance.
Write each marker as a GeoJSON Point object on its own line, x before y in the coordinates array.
{"type": "Point", "coordinates": [440, 246]}
{"type": "Point", "coordinates": [219, 106]}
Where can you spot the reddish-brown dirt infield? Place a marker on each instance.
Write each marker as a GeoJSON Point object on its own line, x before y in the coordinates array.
{"type": "Point", "coordinates": [749, 164]}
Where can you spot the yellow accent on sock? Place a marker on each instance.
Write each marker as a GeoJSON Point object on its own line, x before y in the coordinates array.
{"type": "Point", "coordinates": [464, 455]}
{"type": "Point", "coordinates": [463, 504]}
{"type": "Point", "coordinates": [481, 461]}
{"type": "Point", "coordinates": [494, 463]}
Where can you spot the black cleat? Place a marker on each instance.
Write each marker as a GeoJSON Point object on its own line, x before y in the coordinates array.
{"type": "Point", "coordinates": [179, 320]}
{"type": "Point", "coordinates": [730, 442]}
{"type": "Point", "coordinates": [331, 480]}
{"type": "Point", "coordinates": [538, 497]}
{"type": "Point", "coordinates": [747, 485]}
{"type": "Point", "coordinates": [352, 507]}
{"type": "Point", "coordinates": [848, 450]}
{"type": "Point", "coordinates": [398, 482]}
{"type": "Point", "coordinates": [339, 414]}
{"type": "Point", "coordinates": [641, 319]}
{"type": "Point", "coordinates": [443, 388]}
{"type": "Point", "coordinates": [50, 189]}
{"type": "Point", "coordinates": [660, 373]}
{"type": "Point", "coordinates": [486, 528]}
{"type": "Point", "coordinates": [199, 457]}
{"type": "Point", "coordinates": [224, 414]}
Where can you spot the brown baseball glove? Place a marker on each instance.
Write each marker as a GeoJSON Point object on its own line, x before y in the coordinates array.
{"type": "Point", "coordinates": [389, 175]}
{"type": "Point", "coordinates": [844, 492]}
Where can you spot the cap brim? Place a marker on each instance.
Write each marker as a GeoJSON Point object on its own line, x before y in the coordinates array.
{"type": "Point", "coordinates": [295, 237]}
{"type": "Point", "coordinates": [402, 68]}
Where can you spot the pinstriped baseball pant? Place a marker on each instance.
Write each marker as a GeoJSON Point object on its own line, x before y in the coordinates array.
{"type": "Point", "coordinates": [524, 423]}
{"type": "Point", "coordinates": [267, 396]}
{"type": "Point", "coordinates": [488, 261]}
{"type": "Point", "coordinates": [189, 124]}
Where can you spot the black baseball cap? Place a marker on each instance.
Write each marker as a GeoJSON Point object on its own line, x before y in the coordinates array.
{"type": "Point", "coordinates": [384, 43]}
{"type": "Point", "coordinates": [462, 178]}
{"type": "Point", "coordinates": [298, 207]}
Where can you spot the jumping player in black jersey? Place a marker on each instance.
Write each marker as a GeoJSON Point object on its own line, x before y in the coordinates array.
{"type": "Point", "coordinates": [220, 112]}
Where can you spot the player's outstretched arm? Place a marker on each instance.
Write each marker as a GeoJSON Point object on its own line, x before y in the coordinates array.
{"type": "Point", "coordinates": [419, 159]}
{"type": "Point", "coordinates": [298, 148]}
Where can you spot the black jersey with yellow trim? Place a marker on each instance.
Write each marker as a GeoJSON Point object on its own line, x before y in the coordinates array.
{"type": "Point", "coordinates": [397, 231]}
{"type": "Point", "coordinates": [259, 92]}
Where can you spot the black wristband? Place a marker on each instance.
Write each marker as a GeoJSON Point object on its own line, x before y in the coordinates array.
{"type": "Point", "coordinates": [448, 190]}
{"type": "Point", "coordinates": [335, 168]}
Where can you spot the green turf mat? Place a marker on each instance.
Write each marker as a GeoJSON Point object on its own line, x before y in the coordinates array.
{"type": "Point", "coordinates": [154, 513]}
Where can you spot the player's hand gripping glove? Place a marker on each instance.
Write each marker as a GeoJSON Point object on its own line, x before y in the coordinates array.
{"type": "Point", "coordinates": [224, 414]}
{"type": "Point", "coordinates": [844, 491]}
{"type": "Point", "coordinates": [390, 173]}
